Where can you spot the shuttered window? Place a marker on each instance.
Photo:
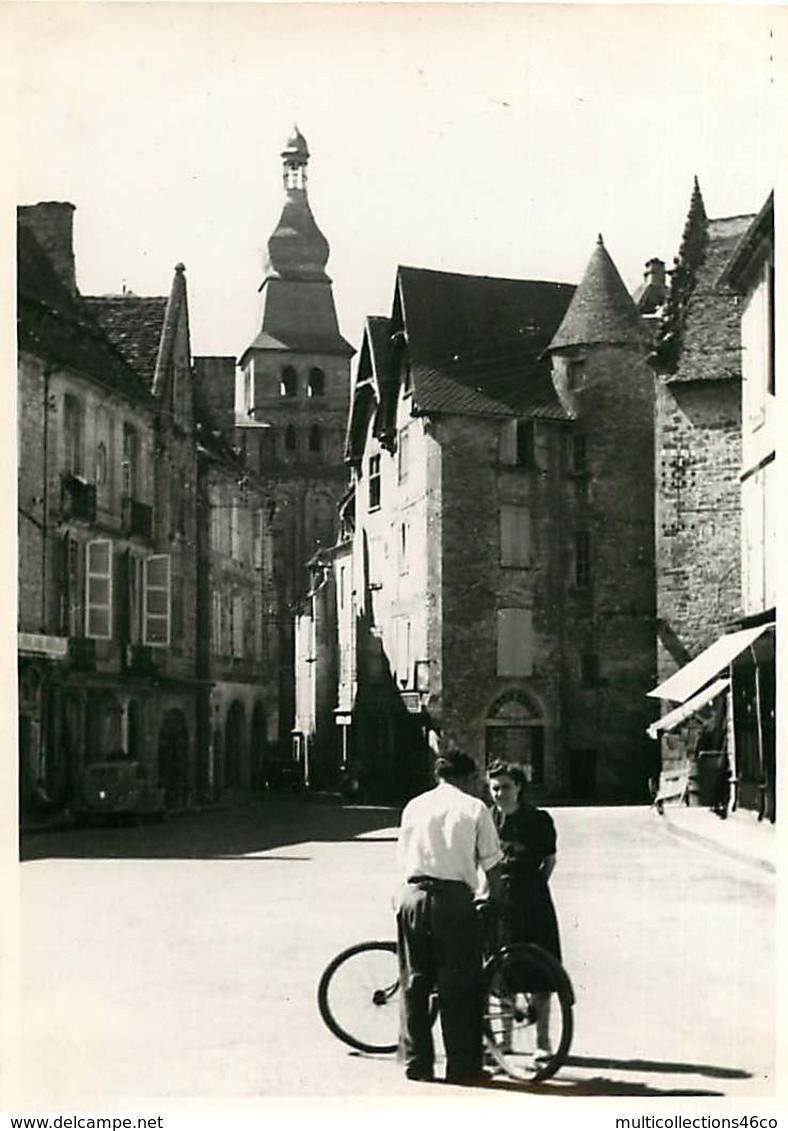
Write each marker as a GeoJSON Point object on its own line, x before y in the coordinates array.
{"type": "Point", "coordinates": [157, 601]}
{"type": "Point", "coordinates": [515, 642]}
{"type": "Point", "coordinates": [98, 589]}
{"type": "Point", "coordinates": [515, 536]}
{"type": "Point", "coordinates": [238, 625]}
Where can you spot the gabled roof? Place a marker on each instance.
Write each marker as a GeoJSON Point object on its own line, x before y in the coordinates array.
{"type": "Point", "coordinates": [378, 333]}
{"type": "Point", "coordinates": [54, 323]}
{"type": "Point", "coordinates": [370, 374]}
{"type": "Point", "coordinates": [135, 326]}
{"type": "Point", "coordinates": [751, 248]}
{"type": "Point", "coordinates": [711, 333]}
{"type": "Point", "coordinates": [602, 310]}
{"type": "Point", "coordinates": [476, 343]}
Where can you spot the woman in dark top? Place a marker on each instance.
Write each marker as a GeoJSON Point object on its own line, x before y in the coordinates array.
{"type": "Point", "coordinates": [528, 841]}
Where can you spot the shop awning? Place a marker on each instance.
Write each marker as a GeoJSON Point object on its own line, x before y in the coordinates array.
{"type": "Point", "coordinates": [698, 672]}
{"type": "Point", "coordinates": [679, 714]}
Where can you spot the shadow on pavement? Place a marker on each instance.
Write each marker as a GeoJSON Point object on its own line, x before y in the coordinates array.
{"type": "Point", "coordinates": [659, 1066]}
{"type": "Point", "coordinates": [232, 833]}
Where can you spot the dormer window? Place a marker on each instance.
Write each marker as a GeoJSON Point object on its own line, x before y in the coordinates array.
{"type": "Point", "coordinates": [575, 373]}
{"type": "Point", "coordinates": [317, 382]}
{"type": "Point", "coordinates": [288, 384]}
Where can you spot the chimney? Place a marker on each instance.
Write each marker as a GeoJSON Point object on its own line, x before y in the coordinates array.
{"type": "Point", "coordinates": [655, 273]}
{"type": "Point", "coordinates": [653, 291]}
{"type": "Point", "coordinates": [52, 223]}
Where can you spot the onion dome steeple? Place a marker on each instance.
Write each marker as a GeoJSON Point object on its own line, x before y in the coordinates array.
{"type": "Point", "coordinates": [601, 311]}
{"type": "Point", "coordinates": [297, 249]}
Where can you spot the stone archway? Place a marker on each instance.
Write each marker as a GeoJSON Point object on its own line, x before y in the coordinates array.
{"type": "Point", "coordinates": [234, 744]}
{"type": "Point", "coordinates": [514, 732]}
{"type": "Point", "coordinates": [173, 758]}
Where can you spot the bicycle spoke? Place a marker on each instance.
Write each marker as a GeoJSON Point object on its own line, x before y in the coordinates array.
{"type": "Point", "coordinates": [358, 997]}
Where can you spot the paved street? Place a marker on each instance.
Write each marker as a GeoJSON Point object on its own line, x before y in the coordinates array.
{"type": "Point", "coordinates": [177, 964]}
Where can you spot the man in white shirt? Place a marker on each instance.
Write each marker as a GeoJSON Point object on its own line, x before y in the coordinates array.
{"type": "Point", "coordinates": [447, 838]}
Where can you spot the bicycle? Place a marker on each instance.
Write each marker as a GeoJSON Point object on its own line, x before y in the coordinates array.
{"type": "Point", "coordinates": [358, 1001]}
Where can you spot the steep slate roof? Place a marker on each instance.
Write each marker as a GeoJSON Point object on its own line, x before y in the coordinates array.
{"type": "Point", "coordinates": [602, 310]}
{"type": "Point", "coordinates": [378, 329]}
{"type": "Point", "coordinates": [711, 334]}
{"type": "Point", "coordinates": [299, 315]}
{"type": "Point", "coordinates": [135, 326]}
{"type": "Point", "coordinates": [57, 324]}
{"type": "Point", "coordinates": [476, 343]}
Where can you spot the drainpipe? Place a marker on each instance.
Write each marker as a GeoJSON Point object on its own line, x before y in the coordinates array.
{"type": "Point", "coordinates": [759, 720]}
{"type": "Point", "coordinates": [45, 502]}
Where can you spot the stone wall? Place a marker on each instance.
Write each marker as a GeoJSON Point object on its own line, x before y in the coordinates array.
{"type": "Point", "coordinates": [698, 463]}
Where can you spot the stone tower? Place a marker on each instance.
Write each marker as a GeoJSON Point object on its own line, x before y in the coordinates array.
{"type": "Point", "coordinates": [294, 401]}
{"type": "Point", "coordinates": [600, 373]}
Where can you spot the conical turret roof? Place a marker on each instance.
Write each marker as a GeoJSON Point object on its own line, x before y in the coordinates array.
{"type": "Point", "coordinates": [601, 310]}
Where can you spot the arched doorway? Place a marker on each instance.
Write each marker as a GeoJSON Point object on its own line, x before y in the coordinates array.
{"type": "Point", "coordinates": [133, 730]}
{"type": "Point", "coordinates": [515, 733]}
{"type": "Point", "coordinates": [104, 728]}
{"type": "Point", "coordinates": [257, 746]}
{"type": "Point", "coordinates": [235, 734]}
{"type": "Point", "coordinates": [173, 758]}
{"type": "Point", "coordinates": [218, 764]}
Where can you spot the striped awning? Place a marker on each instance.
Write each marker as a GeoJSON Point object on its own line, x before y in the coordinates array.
{"type": "Point", "coordinates": [710, 663]}
{"type": "Point", "coordinates": [679, 714]}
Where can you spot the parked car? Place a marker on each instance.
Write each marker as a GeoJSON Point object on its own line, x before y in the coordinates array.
{"type": "Point", "coordinates": [283, 774]}
{"type": "Point", "coordinates": [117, 788]}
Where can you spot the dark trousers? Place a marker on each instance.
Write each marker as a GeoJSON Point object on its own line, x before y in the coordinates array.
{"type": "Point", "coordinates": [440, 949]}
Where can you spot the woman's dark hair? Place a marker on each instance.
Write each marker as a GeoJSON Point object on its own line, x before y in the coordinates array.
{"type": "Point", "coordinates": [500, 769]}
{"type": "Point", "coordinates": [454, 766]}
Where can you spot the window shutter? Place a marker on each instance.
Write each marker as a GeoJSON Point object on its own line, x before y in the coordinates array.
{"type": "Point", "coordinates": [515, 642]}
{"type": "Point", "coordinates": [507, 445]}
{"type": "Point", "coordinates": [515, 536]}
{"type": "Point", "coordinates": [123, 566]}
{"type": "Point", "coordinates": [158, 604]}
{"type": "Point", "coordinates": [98, 590]}
{"type": "Point", "coordinates": [238, 625]}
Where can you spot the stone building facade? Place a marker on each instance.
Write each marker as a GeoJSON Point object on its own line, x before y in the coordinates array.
{"type": "Point", "coordinates": [698, 451]}
{"type": "Point", "coordinates": [237, 642]}
{"type": "Point", "coordinates": [751, 273]}
{"type": "Point", "coordinates": [106, 519]}
{"type": "Point", "coordinates": [494, 580]}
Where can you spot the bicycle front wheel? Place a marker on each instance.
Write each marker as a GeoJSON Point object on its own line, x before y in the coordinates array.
{"type": "Point", "coordinates": [528, 1012]}
{"type": "Point", "coordinates": [358, 997]}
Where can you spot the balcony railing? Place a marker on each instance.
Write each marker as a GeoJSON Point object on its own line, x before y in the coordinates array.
{"type": "Point", "coordinates": [137, 519]}
{"type": "Point", "coordinates": [77, 498]}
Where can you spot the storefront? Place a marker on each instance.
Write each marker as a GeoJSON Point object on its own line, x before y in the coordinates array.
{"type": "Point", "coordinates": [732, 683]}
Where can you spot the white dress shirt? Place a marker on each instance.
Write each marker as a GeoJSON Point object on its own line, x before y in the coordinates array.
{"type": "Point", "coordinates": [447, 834]}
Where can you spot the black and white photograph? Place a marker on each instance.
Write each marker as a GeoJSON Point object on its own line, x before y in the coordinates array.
{"type": "Point", "coordinates": [392, 723]}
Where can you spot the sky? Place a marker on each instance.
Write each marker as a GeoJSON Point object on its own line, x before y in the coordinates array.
{"type": "Point", "coordinates": [483, 138]}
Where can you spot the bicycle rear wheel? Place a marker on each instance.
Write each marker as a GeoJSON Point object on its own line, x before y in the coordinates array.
{"type": "Point", "coordinates": [358, 996]}
{"type": "Point", "coordinates": [528, 1018]}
